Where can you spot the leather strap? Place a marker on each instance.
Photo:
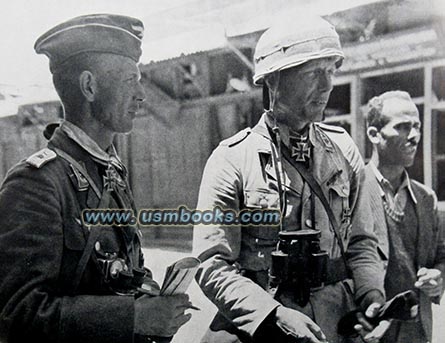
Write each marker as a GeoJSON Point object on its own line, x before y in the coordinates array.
{"type": "Point", "coordinates": [307, 176]}
{"type": "Point", "coordinates": [336, 271]}
{"type": "Point", "coordinates": [89, 247]}
{"type": "Point", "coordinates": [95, 230]}
{"type": "Point", "coordinates": [80, 168]}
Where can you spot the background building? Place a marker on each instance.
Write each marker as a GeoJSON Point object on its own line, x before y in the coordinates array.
{"type": "Point", "coordinates": [200, 91]}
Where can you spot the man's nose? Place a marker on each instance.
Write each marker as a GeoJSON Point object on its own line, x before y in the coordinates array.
{"type": "Point", "coordinates": [140, 93]}
{"type": "Point", "coordinates": [414, 134]}
{"type": "Point", "coordinates": [325, 83]}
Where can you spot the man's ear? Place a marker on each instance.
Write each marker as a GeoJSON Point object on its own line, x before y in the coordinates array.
{"type": "Point", "coordinates": [88, 85]}
{"type": "Point", "coordinates": [373, 135]}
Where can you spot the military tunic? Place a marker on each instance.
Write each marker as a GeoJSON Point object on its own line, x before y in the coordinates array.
{"type": "Point", "coordinates": [42, 239]}
{"type": "Point", "coordinates": [241, 173]}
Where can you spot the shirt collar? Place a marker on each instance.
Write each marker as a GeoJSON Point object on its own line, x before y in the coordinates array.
{"type": "Point", "coordinates": [285, 132]}
{"type": "Point", "coordinates": [406, 182]}
{"type": "Point", "coordinates": [89, 145]}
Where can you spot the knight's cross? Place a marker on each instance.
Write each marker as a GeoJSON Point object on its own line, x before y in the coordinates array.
{"type": "Point", "coordinates": [110, 179]}
{"type": "Point", "coordinates": [301, 152]}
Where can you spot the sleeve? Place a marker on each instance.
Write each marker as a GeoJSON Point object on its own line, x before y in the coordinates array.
{"type": "Point", "coordinates": [33, 305]}
{"type": "Point", "coordinates": [363, 259]}
{"type": "Point", "coordinates": [244, 303]}
{"type": "Point", "coordinates": [439, 262]}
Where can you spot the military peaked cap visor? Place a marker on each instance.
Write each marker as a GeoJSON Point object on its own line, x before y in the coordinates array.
{"type": "Point", "coordinates": [104, 33]}
{"type": "Point", "coordinates": [294, 41]}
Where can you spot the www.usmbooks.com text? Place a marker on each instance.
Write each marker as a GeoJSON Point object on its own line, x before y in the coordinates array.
{"type": "Point", "coordinates": [181, 216]}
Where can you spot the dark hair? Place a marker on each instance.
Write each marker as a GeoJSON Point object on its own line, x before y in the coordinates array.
{"type": "Point", "coordinates": [375, 105]}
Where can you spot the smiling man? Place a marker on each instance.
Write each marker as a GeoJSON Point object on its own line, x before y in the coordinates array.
{"type": "Point", "coordinates": [289, 161]}
{"type": "Point", "coordinates": [411, 241]}
{"type": "Point", "coordinates": [62, 280]}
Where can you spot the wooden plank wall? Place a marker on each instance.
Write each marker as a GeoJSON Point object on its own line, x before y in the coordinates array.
{"type": "Point", "coordinates": [168, 155]}
{"type": "Point", "coordinates": [165, 153]}
{"type": "Point", "coordinates": [21, 135]}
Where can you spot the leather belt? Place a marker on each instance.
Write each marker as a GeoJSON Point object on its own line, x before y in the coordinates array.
{"type": "Point", "coordinates": [335, 272]}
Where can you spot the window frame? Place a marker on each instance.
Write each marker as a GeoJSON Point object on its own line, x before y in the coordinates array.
{"type": "Point", "coordinates": [357, 84]}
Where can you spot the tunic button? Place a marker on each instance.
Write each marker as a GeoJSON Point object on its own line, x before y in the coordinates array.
{"type": "Point", "coordinates": [97, 246]}
{"type": "Point", "coordinates": [308, 223]}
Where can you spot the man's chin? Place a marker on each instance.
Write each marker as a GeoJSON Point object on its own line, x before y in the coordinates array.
{"type": "Point", "coordinates": [408, 162]}
{"type": "Point", "coordinates": [317, 117]}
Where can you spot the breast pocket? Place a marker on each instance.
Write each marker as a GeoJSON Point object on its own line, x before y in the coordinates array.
{"type": "Point", "coordinates": [262, 199]}
{"type": "Point", "coordinates": [339, 202]}
{"type": "Point", "coordinates": [258, 241]}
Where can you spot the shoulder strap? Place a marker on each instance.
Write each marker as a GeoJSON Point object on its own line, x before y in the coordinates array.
{"type": "Point", "coordinates": [319, 192]}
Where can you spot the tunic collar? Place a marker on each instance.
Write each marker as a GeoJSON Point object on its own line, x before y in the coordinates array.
{"type": "Point", "coordinates": [89, 145]}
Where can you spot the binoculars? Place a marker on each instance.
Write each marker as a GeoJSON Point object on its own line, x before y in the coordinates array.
{"type": "Point", "coordinates": [120, 279]}
{"type": "Point", "coordinates": [298, 264]}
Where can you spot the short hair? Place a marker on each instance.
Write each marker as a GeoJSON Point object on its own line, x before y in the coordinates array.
{"type": "Point", "coordinates": [375, 105]}
{"type": "Point", "coordinates": [66, 77]}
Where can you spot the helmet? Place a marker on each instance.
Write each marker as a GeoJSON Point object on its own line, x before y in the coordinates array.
{"type": "Point", "coordinates": [294, 41]}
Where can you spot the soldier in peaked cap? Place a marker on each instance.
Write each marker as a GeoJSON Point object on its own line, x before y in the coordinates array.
{"type": "Point", "coordinates": [62, 280]}
{"type": "Point", "coordinates": [291, 162]}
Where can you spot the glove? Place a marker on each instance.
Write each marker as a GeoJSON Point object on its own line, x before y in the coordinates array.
{"type": "Point", "coordinates": [160, 316]}
{"type": "Point", "coordinates": [402, 307]}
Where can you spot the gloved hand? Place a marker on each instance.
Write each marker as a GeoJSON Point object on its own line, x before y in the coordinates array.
{"type": "Point", "coordinates": [160, 316]}
{"type": "Point", "coordinates": [430, 282]}
{"type": "Point", "coordinates": [375, 321]}
{"type": "Point", "coordinates": [298, 325]}
{"type": "Point", "coordinates": [369, 332]}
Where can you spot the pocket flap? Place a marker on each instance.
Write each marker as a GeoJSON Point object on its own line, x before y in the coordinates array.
{"type": "Point", "coordinates": [341, 187]}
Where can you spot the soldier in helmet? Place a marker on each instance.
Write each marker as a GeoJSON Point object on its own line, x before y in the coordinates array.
{"type": "Point", "coordinates": [310, 171]}
{"type": "Point", "coordinates": [61, 279]}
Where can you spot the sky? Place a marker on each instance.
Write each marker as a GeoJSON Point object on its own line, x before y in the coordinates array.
{"type": "Point", "coordinates": [23, 21]}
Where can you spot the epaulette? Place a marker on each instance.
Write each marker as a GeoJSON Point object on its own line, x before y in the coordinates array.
{"type": "Point", "coordinates": [330, 128]}
{"type": "Point", "coordinates": [40, 158]}
{"type": "Point", "coordinates": [237, 138]}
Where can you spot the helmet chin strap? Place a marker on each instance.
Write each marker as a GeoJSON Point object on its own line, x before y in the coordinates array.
{"type": "Point", "coordinates": [273, 92]}
{"type": "Point", "coordinates": [277, 154]}
{"type": "Point", "coordinates": [272, 97]}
